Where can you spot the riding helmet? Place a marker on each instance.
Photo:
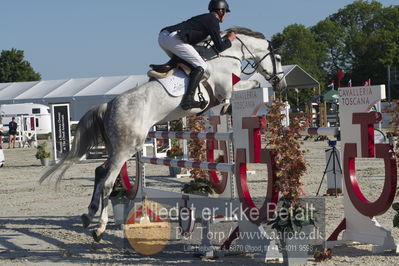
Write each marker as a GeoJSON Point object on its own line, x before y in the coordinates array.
{"type": "Point", "coordinates": [215, 5]}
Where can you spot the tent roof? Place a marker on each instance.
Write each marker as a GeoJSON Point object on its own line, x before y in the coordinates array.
{"type": "Point", "coordinates": [48, 91]}
{"type": "Point", "coordinates": [67, 90]}
{"type": "Point", "coordinates": [295, 77]}
{"type": "Point", "coordinates": [331, 96]}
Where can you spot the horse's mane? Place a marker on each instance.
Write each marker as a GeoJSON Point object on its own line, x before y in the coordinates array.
{"type": "Point", "coordinates": [203, 47]}
{"type": "Point", "coordinates": [248, 32]}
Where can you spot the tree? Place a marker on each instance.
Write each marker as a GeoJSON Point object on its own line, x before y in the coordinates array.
{"type": "Point", "coordinates": [297, 45]}
{"type": "Point", "coordinates": [330, 34]}
{"type": "Point", "coordinates": [14, 68]}
{"type": "Point", "coordinates": [363, 39]}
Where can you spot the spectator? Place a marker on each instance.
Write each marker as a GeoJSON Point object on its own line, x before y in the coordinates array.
{"type": "Point", "coordinates": [1, 135]}
{"type": "Point", "coordinates": [12, 132]}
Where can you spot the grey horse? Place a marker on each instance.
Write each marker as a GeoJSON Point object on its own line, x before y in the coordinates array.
{"type": "Point", "coordinates": [123, 123]}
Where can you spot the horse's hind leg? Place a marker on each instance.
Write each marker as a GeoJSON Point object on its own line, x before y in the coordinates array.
{"type": "Point", "coordinates": [100, 175]}
{"type": "Point", "coordinates": [114, 164]}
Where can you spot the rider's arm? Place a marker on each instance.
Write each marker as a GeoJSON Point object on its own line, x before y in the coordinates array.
{"type": "Point", "coordinates": [219, 43]}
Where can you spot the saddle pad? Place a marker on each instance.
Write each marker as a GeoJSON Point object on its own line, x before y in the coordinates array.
{"type": "Point", "coordinates": [176, 84]}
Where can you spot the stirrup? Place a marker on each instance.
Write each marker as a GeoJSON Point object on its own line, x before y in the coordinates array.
{"type": "Point", "coordinates": [193, 104]}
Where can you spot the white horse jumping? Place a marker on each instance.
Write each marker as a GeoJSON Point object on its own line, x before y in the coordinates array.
{"type": "Point", "coordinates": [123, 123]}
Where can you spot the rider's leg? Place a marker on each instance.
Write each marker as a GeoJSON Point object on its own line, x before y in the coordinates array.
{"type": "Point", "coordinates": [188, 101]}
{"type": "Point", "coordinates": [164, 41]}
{"type": "Point", "coordinates": [172, 44]}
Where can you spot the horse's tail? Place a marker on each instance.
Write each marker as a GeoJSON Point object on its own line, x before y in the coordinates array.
{"type": "Point", "coordinates": [89, 133]}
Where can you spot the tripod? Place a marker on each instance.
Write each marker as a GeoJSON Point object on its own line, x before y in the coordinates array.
{"type": "Point", "coordinates": [334, 156]}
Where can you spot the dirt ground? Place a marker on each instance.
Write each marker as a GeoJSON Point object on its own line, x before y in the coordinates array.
{"type": "Point", "coordinates": [39, 225]}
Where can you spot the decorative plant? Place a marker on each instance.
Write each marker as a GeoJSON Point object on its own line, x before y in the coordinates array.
{"type": "Point", "coordinates": [394, 123]}
{"type": "Point", "coordinates": [395, 221]}
{"type": "Point", "coordinates": [290, 166]}
{"type": "Point", "coordinates": [119, 191]}
{"type": "Point", "coordinates": [41, 152]}
{"type": "Point", "coordinates": [173, 152]}
{"type": "Point", "coordinates": [394, 133]}
{"type": "Point", "coordinates": [197, 149]}
{"type": "Point", "coordinates": [198, 186]}
{"type": "Point", "coordinates": [292, 217]}
{"type": "Point", "coordinates": [322, 255]}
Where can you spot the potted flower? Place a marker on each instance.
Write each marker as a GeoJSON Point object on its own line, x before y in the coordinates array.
{"type": "Point", "coordinates": [42, 154]}
{"type": "Point", "coordinates": [293, 223]}
{"type": "Point", "coordinates": [174, 153]}
{"type": "Point", "coordinates": [120, 202]}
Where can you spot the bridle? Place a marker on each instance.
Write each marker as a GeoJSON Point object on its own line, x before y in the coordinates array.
{"type": "Point", "coordinates": [272, 78]}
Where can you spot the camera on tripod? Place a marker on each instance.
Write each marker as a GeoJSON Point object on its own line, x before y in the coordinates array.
{"type": "Point", "coordinates": [333, 167]}
{"type": "Point", "coordinates": [332, 143]}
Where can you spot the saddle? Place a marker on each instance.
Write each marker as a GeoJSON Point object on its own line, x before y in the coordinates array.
{"type": "Point", "coordinates": [166, 70]}
{"type": "Point", "coordinates": [169, 68]}
{"type": "Point", "coordinates": [176, 64]}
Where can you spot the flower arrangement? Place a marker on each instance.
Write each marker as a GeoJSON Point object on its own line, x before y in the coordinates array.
{"type": "Point", "coordinates": [41, 152]}
{"type": "Point", "coordinates": [198, 186]}
{"type": "Point", "coordinates": [322, 255]}
{"type": "Point", "coordinates": [119, 191]}
{"type": "Point", "coordinates": [197, 147]}
{"type": "Point", "coordinates": [174, 152]}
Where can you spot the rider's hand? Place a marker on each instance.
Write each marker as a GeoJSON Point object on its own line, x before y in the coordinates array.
{"type": "Point", "coordinates": [231, 36]}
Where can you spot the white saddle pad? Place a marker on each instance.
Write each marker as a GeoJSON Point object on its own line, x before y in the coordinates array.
{"type": "Point", "coordinates": [176, 84]}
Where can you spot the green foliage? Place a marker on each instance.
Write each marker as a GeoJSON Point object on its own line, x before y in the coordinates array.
{"type": "Point", "coordinates": [291, 217]}
{"type": "Point", "coordinates": [14, 68]}
{"type": "Point", "coordinates": [394, 125]}
{"type": "Point", "coordinates": [41, 152]}
{"type": "Point", "coordinates": [362, 39]}
{"type": "Point", "coordinates": [174, 152]}
{"type": "Point", "coordinates": [297, 45]}
{"type": "Point", "coordinates": [199, 186]}
{"type": "Point", "coordinates": [119, 191]}
{"type": "Point", "coordinates": [395, 221]}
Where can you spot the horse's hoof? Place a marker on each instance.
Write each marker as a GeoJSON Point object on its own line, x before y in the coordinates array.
{"type": "Point", "coordinates": [85, 220]}
{"type": "Point", "coordinates": [96, 237]}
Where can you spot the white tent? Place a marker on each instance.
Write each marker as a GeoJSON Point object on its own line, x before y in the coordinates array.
{"type": "Point", "coordinates": [295, 77]}
{"type": "Point", "coordinates": [82, 94]}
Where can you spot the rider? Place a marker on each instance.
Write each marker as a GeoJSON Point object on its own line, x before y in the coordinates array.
{"type": "Point", "coordinates": [178, 41]}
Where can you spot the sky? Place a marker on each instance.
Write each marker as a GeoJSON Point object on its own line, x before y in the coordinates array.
{"type": "Point", "coordinates": [91, 38]}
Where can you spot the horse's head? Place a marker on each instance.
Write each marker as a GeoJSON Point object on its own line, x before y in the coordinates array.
{"type": "Point", "coordinates": [258, 52]}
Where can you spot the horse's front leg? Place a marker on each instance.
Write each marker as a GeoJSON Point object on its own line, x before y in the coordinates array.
{"type": "Point", "coordinates": [246, 85]}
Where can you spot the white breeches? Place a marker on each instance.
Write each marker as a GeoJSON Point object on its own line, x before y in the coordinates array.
{"type": "Point", "coordinates": [172, 45]}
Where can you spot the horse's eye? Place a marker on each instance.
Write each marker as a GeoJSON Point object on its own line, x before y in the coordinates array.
{"type": "Point", "coordinates": [278, 57]}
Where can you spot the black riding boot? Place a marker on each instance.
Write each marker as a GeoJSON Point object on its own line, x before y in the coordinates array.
{"type": "Point", "coordinates": [188, 101]}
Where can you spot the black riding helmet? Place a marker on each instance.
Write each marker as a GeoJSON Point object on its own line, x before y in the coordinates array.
{"type": "Point", "coordinates": [216, 5]}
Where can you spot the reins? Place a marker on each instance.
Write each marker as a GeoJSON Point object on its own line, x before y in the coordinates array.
{"type": "Point", "coordinates": [253, 62]}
